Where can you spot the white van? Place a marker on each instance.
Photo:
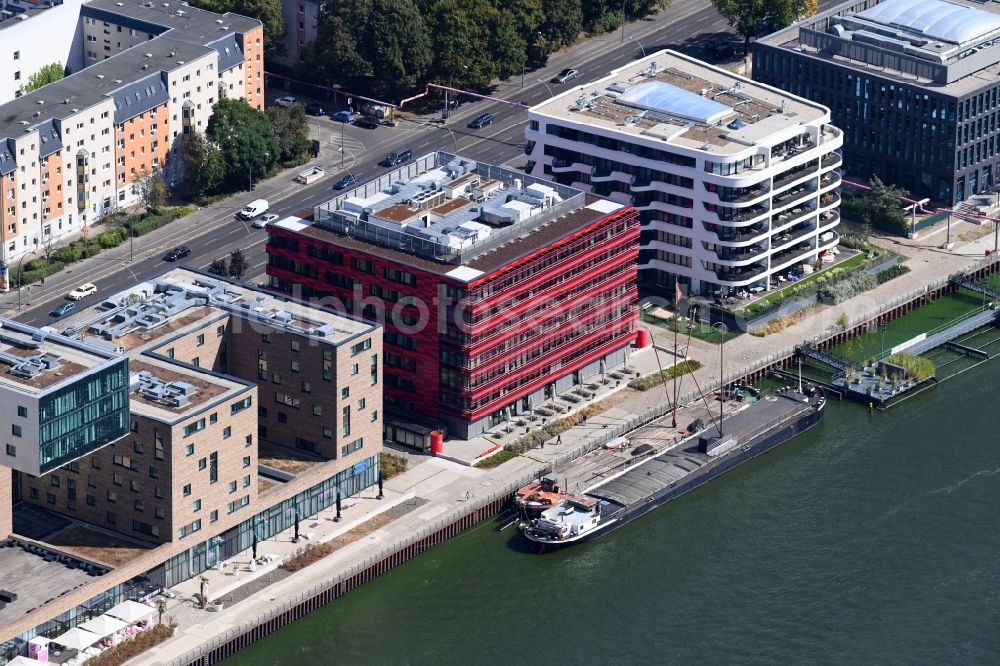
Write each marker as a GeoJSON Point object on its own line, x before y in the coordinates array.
{"type": "Point", "coordinates": [253, 209]}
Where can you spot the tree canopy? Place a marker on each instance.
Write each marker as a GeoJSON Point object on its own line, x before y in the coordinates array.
{"type": "Point", "coordinates": [475, 42]}
{"type": "Point", "coordinates": [752, 17]}
{"type": "Point", "coordinates": [291, 131]}
{"type": "Point", "coordinates": [48, 74]}
{"type": "Point", "coordinates": [204, 168]}
{"type": "Point", "coordinates": [245, 139]}
{"type": "Point", "coordinates": [268, 12]}
{"type": "Point", "coordinates": [880, 207]}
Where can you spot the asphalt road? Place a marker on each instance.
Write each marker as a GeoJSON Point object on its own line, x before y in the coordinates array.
{"type": "Point", "coordinates": [689, 26]}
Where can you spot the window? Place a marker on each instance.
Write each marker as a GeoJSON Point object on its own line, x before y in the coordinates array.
{"type": "Point", "coordinates": [354, 369]}
{"type": "Point", "coordinates": [306, 388]}
{"type": "Point", "coordinates": [170, 353]}
{"type": "Point", "coordinates": [187, 489]}
{"type": "Point", "coordinates": [158, 492]}
{"type": "Point", "coordinates": [137, 446]}
{"type": "Point", "coordinates": [133, 485]}
{"type": "Point", "coordinates": [374, 415]}
{"type": "Point", "coordinates": [361, 404]}
{"type": "Point", "coordinates": [220, 331]}
{"type": "Point", "coordinates": [232, 486]}
{"type": "Point", "coordinates": [238, 407]}
{"type": "Point", "coordinates": [202, 464]}
{"type": "Point", "coordinates": [200, 340]}
{"type": "Point", "coordinates": [33, 493]}
{"type": "Point", "coordinates": [364, 345]}
{"type": "Point", "coordinates": [214, 516]}
{"type": "Point", "coordinates": [11, 450]}
{"type": "Point", "coordinates": [116, 479]}
{"type": "Point", "coordinates": [15, 430]}
{"type": "Point", "coordinates": [112, 496]}
{"type": "Point", "coordinates": [345, 423]}
{"type": "Point", "coordinates": [197, 426]}
{"type": "Point", "coordinates": [227, 432]}
{"type": "Point", "coordinates": [91, 480]}
{"type": "Point", "coordinates": [246, 461]}
{"type": "Point", "coordinates": [159, 512]}
{"type": "Point", "coordinates": [213, 418]}
{"type": "Point", "coordinates": [295, 345]}
{"type": "Point", "coordinates": [374, 369]}
{"type": "Point", "coordinates": [91, 500]}
{"type": "Point", "coordinates": [22, 411]}
{"type": "Point", "coordinates": [196, 506]}
{"type": "Point", "coordinates": [189, 450]}
{"type": "Point", "coordinates": [112, 518]}
{"type": "Point", "coordinates": [328, 432]}
{"type": "Point", "coordinates": [295, 366]}
{"type": "Point", "coordinates": [138, 505]}
{"type": "Point", "coordinates": [345, 392]}
{"type": "Point", "coordinates": [154, 472]}
{"type": "Point", "coordinates": [54, 480]}
{"type": "Point", "coordinates": [356, 445]}
{"type": "Point", "coordinates": [248, 440]}
{"type": "Point", "coordinates": [50, 498]}
{"type": "Point", "coordinates": [317, 410]}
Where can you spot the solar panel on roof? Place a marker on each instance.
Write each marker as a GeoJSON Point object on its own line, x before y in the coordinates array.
{"type": "Point", "coordinates": [662, 97]}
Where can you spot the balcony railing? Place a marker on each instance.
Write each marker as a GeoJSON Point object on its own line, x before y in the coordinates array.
{"type": "Point", "coordinates": [800, 252]}
{"type": "Point", "coordinates": [562, 166]}
{"type": "Point", "coordinates": [793, 175]}
{"type": "Point", "coordinates": [740, 214]}
{"type": "Point", "coordinates": [740, 274]}
{"type": "Point", "coordinates": [790, 236]}
{"type": "Point", "coordinates": [741, 235]}
{"type": "Point", "coordinates": [829, 218]}
{"type": "Point", "coordinates": [829, 199]}
{"type": "Point", "coordinates": [829, 180]}
{"type": "Point", "coordinates": [749, 253]}
{"type": "Point", "coordinates": [800, 192]}
{"type": "Point", "coordinates": [831, 160]}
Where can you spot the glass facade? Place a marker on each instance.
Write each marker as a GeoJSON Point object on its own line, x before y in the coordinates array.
{"type": "Point", "coordinates": [269, 522]}
{"type": "Point", "coordinates": [84, 416]}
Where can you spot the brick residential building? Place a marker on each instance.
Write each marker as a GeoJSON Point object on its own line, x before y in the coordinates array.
{"type": "Point", "coordinates": [498, 290]}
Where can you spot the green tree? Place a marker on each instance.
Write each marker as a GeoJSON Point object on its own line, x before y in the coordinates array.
{"type": "Point", "coordinates": [151, 191]}
{"type": "Point", "coordinates": [750, 17]}
{"type": "Point", "coordinates": [335, 53]}
{"type": "Point", "coordinates": [292, 131]}
{"type": "Point", "coordinates": [204, 168]}
{"type": "Point", "coordinates": [881, 207]}
{"type": "Point", "coordinates": [268, 12]}
{"type": "Point", "coordinates": [562, 25]}
{"type": "Point", "coordinates": [396, 44]}
{"type": "Point", "coordinates": [48, 74]}
{"type": "Point", "coordinates": [245, 138]}
{"type": "Point", "coordinates": [237, 264]}
{"type": "Point", "coordinates": [219, 267]}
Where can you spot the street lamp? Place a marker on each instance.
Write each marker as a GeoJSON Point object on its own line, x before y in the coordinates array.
{"type": "Point", "coordinates": [546, 87]}
{"type": "Point", "coordinates": [722, 329]}
{"type": "Point", "coordinates": [633, 39]}
{"type": "Point", "coordinates": [342, 145]}
{"type": "Point", "coordinates": [20, 275]}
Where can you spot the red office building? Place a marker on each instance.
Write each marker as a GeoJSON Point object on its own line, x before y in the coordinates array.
{"type": "Point", "coordinates": [498, 290]}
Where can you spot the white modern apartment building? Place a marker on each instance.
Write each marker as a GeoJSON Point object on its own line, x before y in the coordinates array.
{"type": "Point", "coordinates": [71, 151]}
{"type": "Point", "coordinates": [34, 34]}
{"type": "Point", "coordinates": [735, 181]}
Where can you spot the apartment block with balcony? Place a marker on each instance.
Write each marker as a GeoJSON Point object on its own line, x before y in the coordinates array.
{"type": "Point", "coordinates": [913, 86]}
{"type": "Point", "coordinates": [735, 182]}
{"type": "Point", "coordinates": [497, 290]}
{"type": "Point", "coordinates": [71, 151]}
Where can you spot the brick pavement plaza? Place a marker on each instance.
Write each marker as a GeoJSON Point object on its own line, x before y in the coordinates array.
{"type": "Point", "coordinates": [434, 487]}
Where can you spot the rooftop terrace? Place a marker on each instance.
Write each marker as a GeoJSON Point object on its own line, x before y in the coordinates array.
{"type": "Point", "coordinates": [454, 216]}
{"type": "Point", "coordinates": [671, 98]}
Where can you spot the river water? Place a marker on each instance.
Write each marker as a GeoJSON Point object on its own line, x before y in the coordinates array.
{"type": "Point", "coordinates": [871, 538]}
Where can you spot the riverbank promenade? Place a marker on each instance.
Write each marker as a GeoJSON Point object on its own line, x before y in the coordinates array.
{"type": "Point", "coordinates": [435, 490]}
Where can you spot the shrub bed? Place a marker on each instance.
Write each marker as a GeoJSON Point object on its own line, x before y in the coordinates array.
{"type": "Point", "coordinates": [391, 464]}
{"type": "Point", "coordinates": [891, 273]}
{"type": "Point", "coordinates": [657, 378]}
{"type": "Point", "coordinates": [498, 458]}
{"type": "Point", "coordinates": [311, 554]}
{"type": "Point", "coordinates": [915, 366]}
{"type": "Point", "coordinates": [132, 647]}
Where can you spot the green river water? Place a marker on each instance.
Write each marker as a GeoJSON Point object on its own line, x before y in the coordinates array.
{"type": "Point", "coordinates": [869, 539]}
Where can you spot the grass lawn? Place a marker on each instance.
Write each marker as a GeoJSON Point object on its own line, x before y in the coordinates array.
{"type": "Point", "coordinates": [752, 308]}
{"type": "Point", "coordinates": [701, 330]}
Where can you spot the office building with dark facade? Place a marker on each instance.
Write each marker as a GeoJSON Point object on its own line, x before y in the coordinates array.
{"type": "Point", "coordinates": [497, 290]}
{"type": "Point", "coordinates": [913, 84]}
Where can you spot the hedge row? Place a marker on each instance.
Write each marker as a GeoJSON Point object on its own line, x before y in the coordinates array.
{"type": "Point", "coordinates": [84, 248]}
{"type": "Point", "coordinates": [657, 378]}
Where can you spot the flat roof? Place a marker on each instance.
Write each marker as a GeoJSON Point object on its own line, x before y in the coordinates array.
{"type": "Point", "coordinates": [487, 263]}
{"type": "Point", "coordinates": [936, 19]}
{"type": "Point", "coordinates": [443, 212]}
{"type": "Point", "coordinates": [33, 360]}
{"type": "Point", "coordinates": [670, 98]}
{"type": "Point", "coordinates": [949, 45]}
{"type": "Point", "coordinates": [34, 577]}
{"type": "Point", "coordinates": [145, 318]}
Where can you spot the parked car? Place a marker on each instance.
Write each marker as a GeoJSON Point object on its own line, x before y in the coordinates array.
{"type": "Point", "coordinates": [566, 75]}
{"type": "Point", "coordinates": [398, 157]}
{"type": "Point", "coordinates": [315, 109]}
{"type": "Point", "coordinates": [82, 292]}
{"type": "Point", "coordinates": [287, 100]}
{"type": "Point", "coordinates": [177, 253]}
{"type": "Point", "coordinates": [344, 116]}
{"type": "Point", "coordinates": [481, 121]}
{"type": "Point", "coordinates": [64, 309]}
{"type": "Point", "coordinates": [345, 182]}
{"type": "Point", "coordinates": [264, 220]}
{"type": "Point", "coordinates": [368, 122]}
